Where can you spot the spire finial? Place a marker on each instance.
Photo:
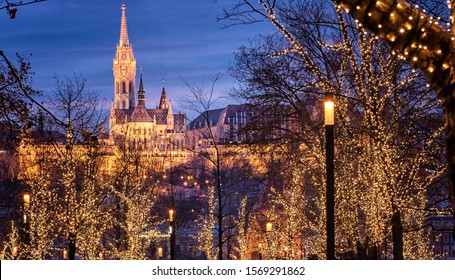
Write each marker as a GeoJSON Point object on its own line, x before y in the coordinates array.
{"type": "Point", "coordinates": [141, 92]}
{"type": "Point", "coordinates": [164, 104]}
{"type": "Point", "coordinates": [123, 28]}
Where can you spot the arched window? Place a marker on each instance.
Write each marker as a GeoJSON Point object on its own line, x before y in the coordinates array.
{"type": "Point", "coordinates": [131, 87]}
{"type": "Point", "coordinates": [117, 105]}
{"type": "Point", "coordinates": [116, 87]}
{"type": "Point", "coordinates": [123, 87]}
{"type": "Point", "coordinates": [124, 104]}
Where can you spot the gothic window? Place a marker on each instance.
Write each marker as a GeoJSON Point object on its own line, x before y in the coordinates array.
{"type": "Point", "coordinates": [117, 105]}
{"type": "Point", "coordinates": [124, 104]}
{"type": "Point", "coordinates": [116, 87]}
{"type": "Point", "coordinates": [131, 87]}
{"type": "Point", "coordinates": [123, 87]}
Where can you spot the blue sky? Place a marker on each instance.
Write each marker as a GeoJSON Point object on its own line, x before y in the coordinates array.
{"type": "Point", "coordinates": [172, 39]}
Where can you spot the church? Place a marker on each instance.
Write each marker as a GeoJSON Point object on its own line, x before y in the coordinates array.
{"type": "Point", "coordinates": [131, 123]}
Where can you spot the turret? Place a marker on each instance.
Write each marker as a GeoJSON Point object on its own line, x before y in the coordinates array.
{"type": "Point", "coordinates": [141, 93]}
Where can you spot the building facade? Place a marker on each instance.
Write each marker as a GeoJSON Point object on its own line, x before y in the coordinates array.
{"type": "Point", "coordinates": [131, 123]}
{"type": "Point", "coordinates": [443, 238]}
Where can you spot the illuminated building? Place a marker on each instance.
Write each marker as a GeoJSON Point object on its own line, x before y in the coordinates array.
{"type": "Point", "coordinates": [157, 130]}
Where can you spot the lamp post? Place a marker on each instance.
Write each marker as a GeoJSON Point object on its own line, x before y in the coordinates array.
{"type": "Point", "coordinates": [14, 252]}
{"type": "Point", "coordinates": [26, 216]}
{"type": "Point", "coordinates": [268, 227]}
{"type": "Point", "coordinates": [268, 230]}
{"type": "Point", "coordinates": [329, 121]}
{"type": "Point", "coordinates": [172, 232]}
{"type": "Point", "coordinates": [26, 198]}
{"type": "Point", "coordinates": [160, 253]}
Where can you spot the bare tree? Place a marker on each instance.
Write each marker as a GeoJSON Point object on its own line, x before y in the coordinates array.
{"type": "Point", "coordinates": [11, 7]}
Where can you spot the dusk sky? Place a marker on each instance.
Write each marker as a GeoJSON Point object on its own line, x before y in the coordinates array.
{"type": "Point", "coordinates": [171, 40]}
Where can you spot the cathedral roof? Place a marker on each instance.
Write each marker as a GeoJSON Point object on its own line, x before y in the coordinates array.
{"type": "Point", "coordinates": [140, 114]}
{"type": "Point", "coordinates": [160, 115]}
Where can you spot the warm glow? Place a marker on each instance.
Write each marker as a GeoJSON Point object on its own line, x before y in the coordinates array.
{"type": "Point", "coordinates": [14, 252]}
{"type": "Point", "coordinates": [160, 252]}
{"type": "Point", "coordinates": [26, 199]}
{"type": "Point", "coordinates": [65, 254]}
{"type": "Point", "coordinates": [329, 114]}
{"type": "Point", "coordinates": [171, 215]}
{"type": "Point", "coordinates": [268, 227]}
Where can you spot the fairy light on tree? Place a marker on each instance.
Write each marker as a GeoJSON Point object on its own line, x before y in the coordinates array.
{"type": "Point", "coordinates": [435, 61]}
{"type": "Point", "coordinates": [205, 225]}
{"type": "Point", "coordinates": [134, 196]}
{"type": "Point", "coordinates": [384, 137]}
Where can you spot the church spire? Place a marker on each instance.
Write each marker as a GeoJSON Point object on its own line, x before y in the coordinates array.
{"type": "Point", "coordinates": [164, 104]}
{"type": "Point", "coordinates": [141, 93]}
{"type": "Point", "coordinates": [123, 29]}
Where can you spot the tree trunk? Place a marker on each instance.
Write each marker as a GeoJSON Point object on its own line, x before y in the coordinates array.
{"type": "Point", "coordinates": [72, 246]}
{"type": "Point", "coordinates": [428, 46]}
{"type": "Point", "coordinates": [220, 225]}
{"type": "Point", "coordinates": [397, 235]}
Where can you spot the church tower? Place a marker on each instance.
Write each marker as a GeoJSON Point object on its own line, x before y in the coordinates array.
{"type": "Point", "coordinates": [124, 69]}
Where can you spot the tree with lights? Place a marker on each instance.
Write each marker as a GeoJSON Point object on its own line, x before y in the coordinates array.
{"type": "Point", "coordinates": [211, 162]}
{"type": "Point", "coordinates": [205, 226]}
{"type": "Point", "coordinates": [14, 247]}
{"type": "Point", "coordinates": [220, 166]}
{"type": "Point", "coordinates": [423, 41]}
{"type": "Point", "coordinates": [81, 186]}
{"type": "Point", "coordinates": [134, 226]}
{"type": "Point", "coordinates": [40, 201]}
{"type": "Point", "coordinates": [383, 115]}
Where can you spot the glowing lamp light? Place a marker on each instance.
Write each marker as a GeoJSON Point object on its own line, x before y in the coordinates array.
{"type": "Point", "coordinates": [160, 252]}
{"type": "Point", "coordinates": [268, 227]}
{"type": "Point", "coordinates": [26, 198]}
{"type": "Point", "coordinates": [14, 251]}
{"type": "Point", "coordinates": [65, 254]}
{"type": "Point", "coordinates": [171, 215]}
{"type": "Point", "coordinates": [329, 106]}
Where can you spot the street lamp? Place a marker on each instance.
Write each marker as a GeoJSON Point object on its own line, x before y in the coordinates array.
{"type": "Point", "coordinates": [14, 252]}
{"type": "Point", "coordinates": [268, 230]}
{"type": "Point", "coordinates": [26, 198]}
{"type": "Point", "coordinates": [329, 122]}
{"type": "Point", "coordinates": [268, 227]}
{"type": "Point", "coordinates": [65, 254]}
{"type": "Point", "coordinates": [172, 232]}
{"type": "Point", "coordinates": [160, 253]}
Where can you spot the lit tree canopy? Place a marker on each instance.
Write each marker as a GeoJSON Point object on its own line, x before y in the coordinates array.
{"type": "Point", "coordinates": [421, 40]}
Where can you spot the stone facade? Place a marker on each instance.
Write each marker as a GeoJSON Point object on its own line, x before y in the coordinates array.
{"type": "Point", "coordinates": [156, 130]}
